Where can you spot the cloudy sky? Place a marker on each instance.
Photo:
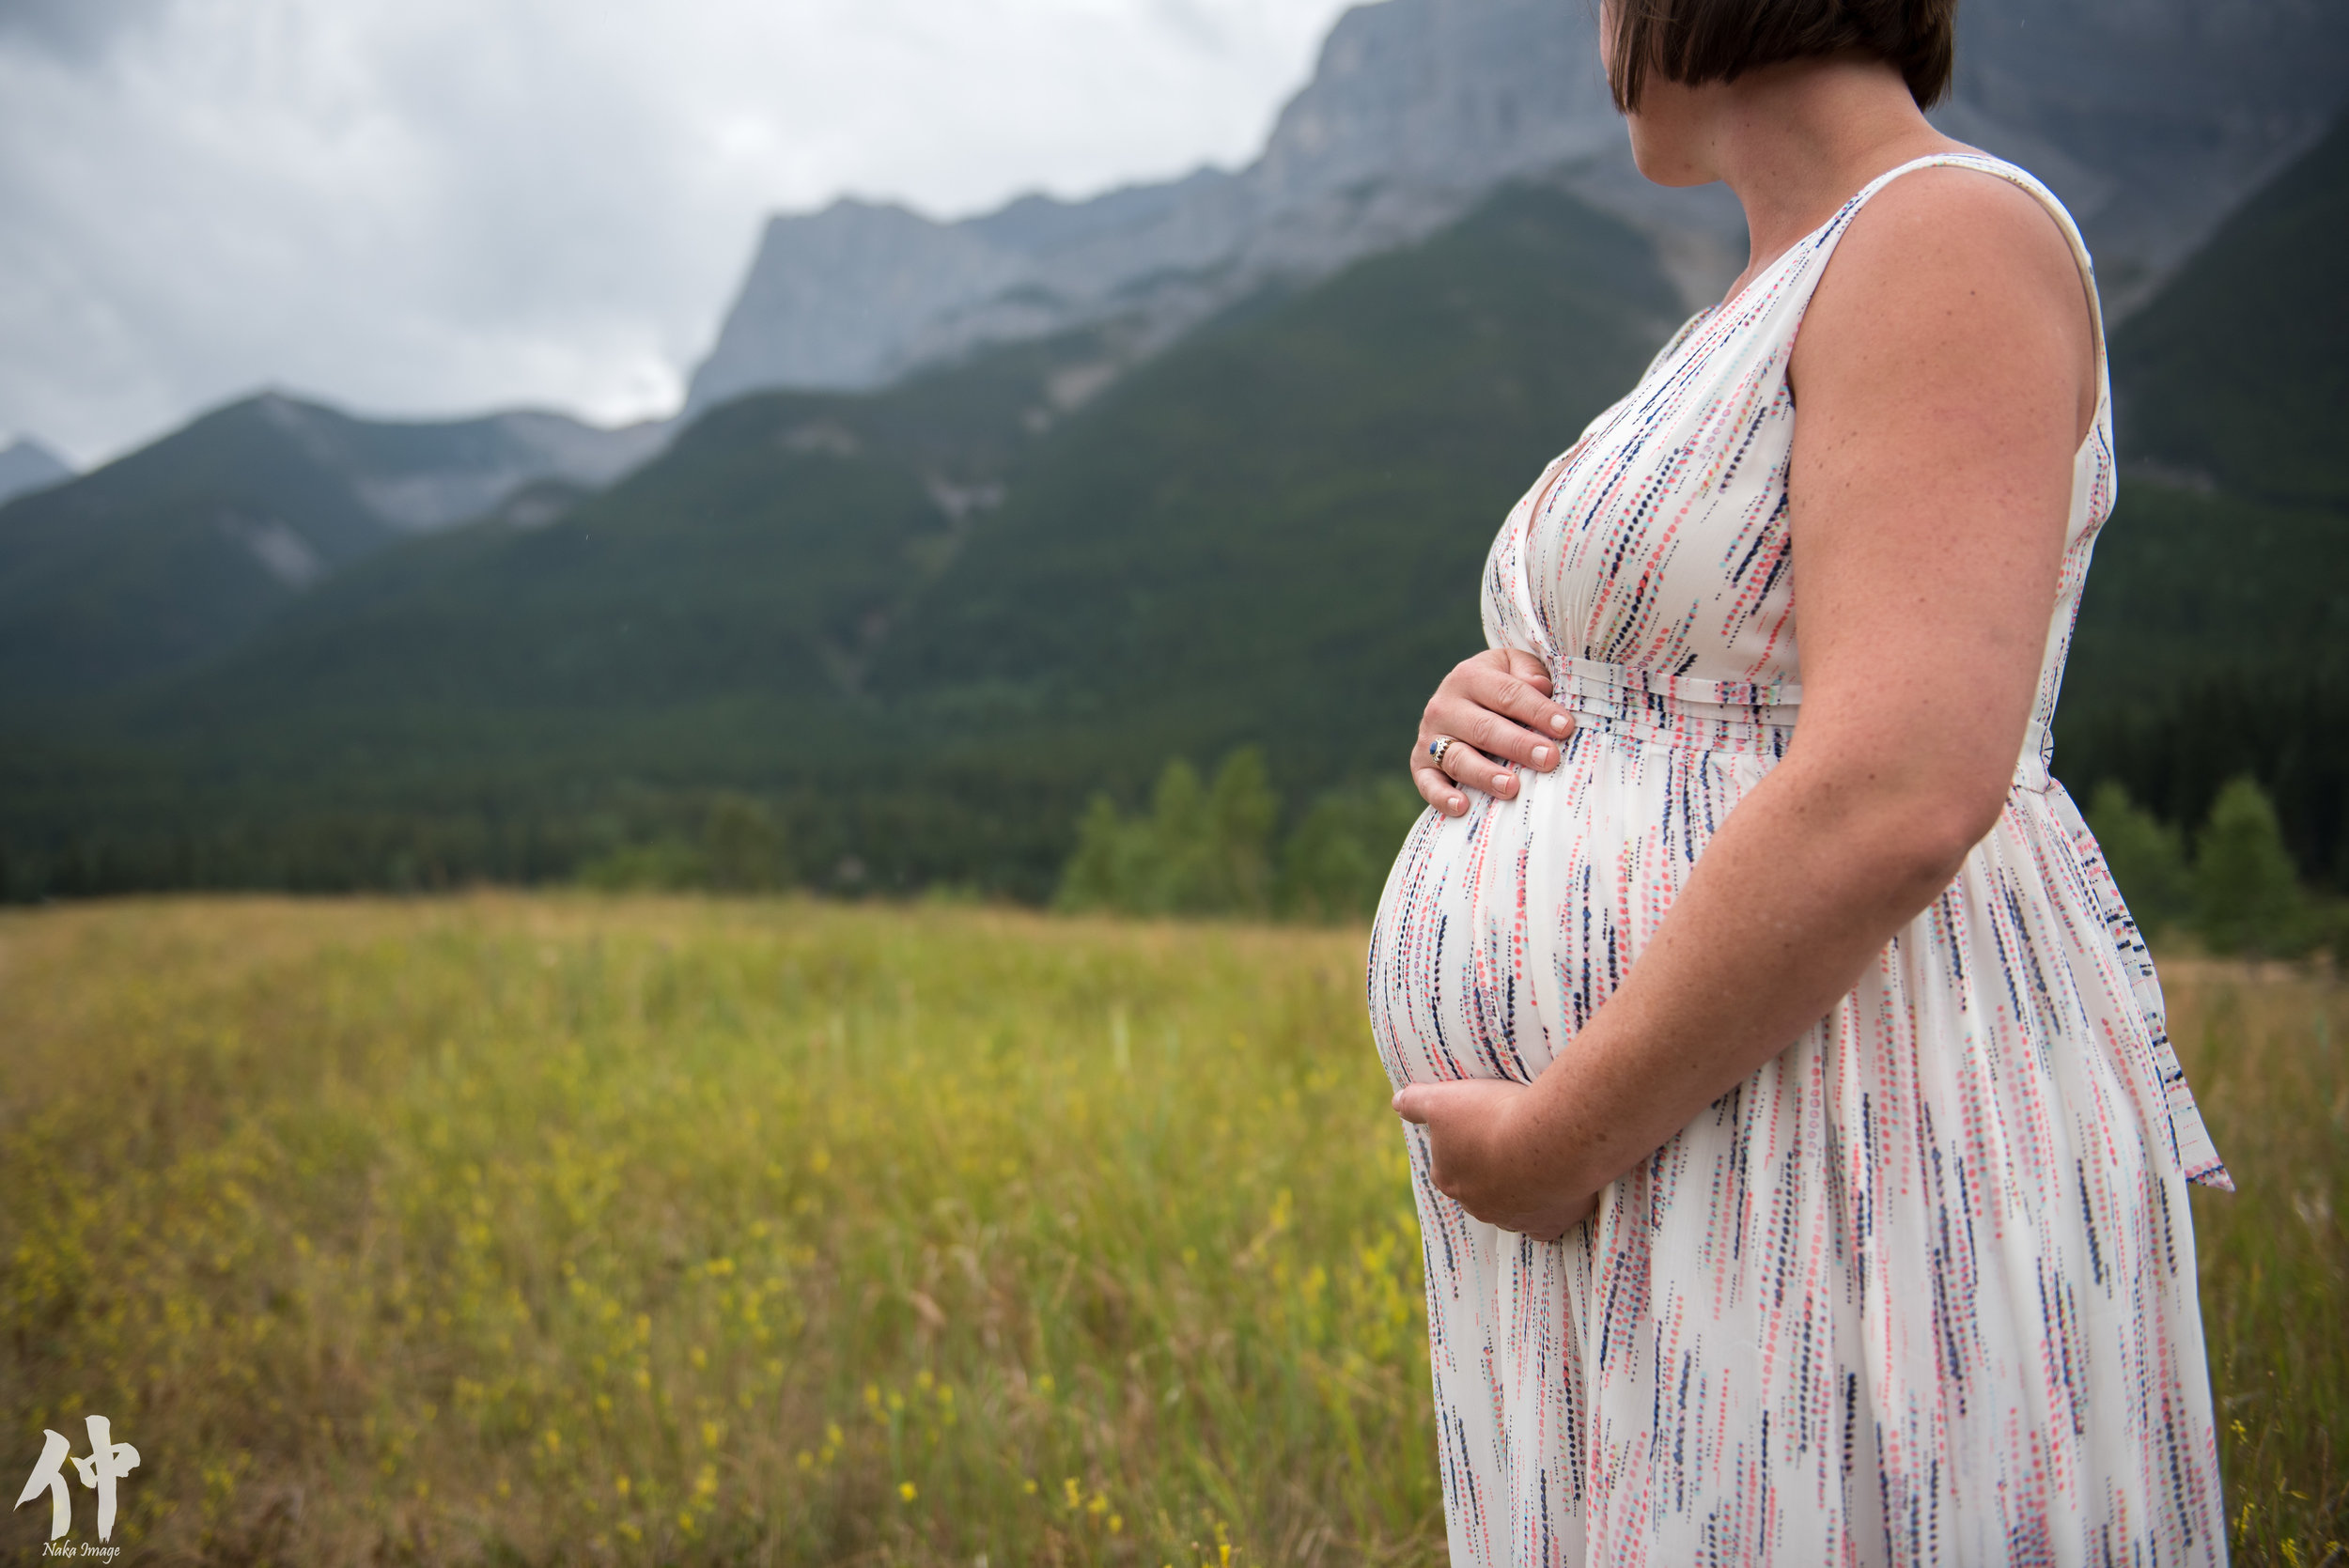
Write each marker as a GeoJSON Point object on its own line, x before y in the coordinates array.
{"type": "Point", "coordinates": [434, 207]}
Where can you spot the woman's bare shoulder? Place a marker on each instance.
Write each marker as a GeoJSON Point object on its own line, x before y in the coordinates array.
{"type": "Point", "coordinates": [1950, 223]}
{"type": "Point", "coordinates": [1944, 265]}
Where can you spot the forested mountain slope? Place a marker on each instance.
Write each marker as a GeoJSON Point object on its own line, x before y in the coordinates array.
{"type": "Point", "coordinates": [2215, 636]}
{"type": "Point", "coordinates": [2234, 375]}
{"type": "Point", "coordinates": [181, 549]}
{"type": "Point", "coordinates": [923, 625]}
{"type": "Point", "coordinates": [927, 622]}
{"type": "Point", "coordinates": [1276, 533]}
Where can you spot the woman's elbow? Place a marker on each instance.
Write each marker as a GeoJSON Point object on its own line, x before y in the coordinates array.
{"type": "Point", "coordinates": [1910, 824]}
{"type": "Point", "coordinates": [1929, 834]}
{"type": "Point", "coordinates": [1910, 829]}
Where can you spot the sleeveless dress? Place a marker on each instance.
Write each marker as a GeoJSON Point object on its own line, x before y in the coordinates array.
{"type": "Point", "coordinates": [1921, 1290]}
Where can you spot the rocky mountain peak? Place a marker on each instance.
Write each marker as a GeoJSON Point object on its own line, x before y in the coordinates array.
{"type": "Point", "coordinates": [27, 465]}
{"type": "Point", "coordinates": [2151, 118]}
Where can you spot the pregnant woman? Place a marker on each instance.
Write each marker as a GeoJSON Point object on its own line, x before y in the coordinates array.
{"type": "Point", "coordinates": [1801, 1160]}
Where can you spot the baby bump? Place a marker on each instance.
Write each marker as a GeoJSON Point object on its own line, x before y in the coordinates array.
{"type": "Point", "coordinates": [1501, 932]}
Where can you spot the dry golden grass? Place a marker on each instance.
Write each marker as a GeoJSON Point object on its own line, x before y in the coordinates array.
{"type": "Point", "coordinates": [561, 1229]}
{"type": "Point", "coordinates": [2264, 1049]}
{"type": "Point", "coordinates": [537, 1230]}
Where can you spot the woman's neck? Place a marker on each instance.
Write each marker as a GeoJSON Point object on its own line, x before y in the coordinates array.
{"type": "Point", "coordinates": [1796, 141]}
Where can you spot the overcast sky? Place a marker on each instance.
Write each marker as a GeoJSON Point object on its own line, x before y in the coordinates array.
{"type": "Point", "coordinates": [440, 206]}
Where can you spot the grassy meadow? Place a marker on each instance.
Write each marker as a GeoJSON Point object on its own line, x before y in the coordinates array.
{"type": "Point", "coordinates": [522, 1230]}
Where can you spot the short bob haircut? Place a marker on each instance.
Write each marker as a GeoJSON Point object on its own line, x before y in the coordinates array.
{"type": "Point", "coordinates": [1696, 41]}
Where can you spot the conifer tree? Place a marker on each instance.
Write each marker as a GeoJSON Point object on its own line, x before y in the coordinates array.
{"type": "Point", "coordinates": [2147, 857]}
{"type": "Point", "coordinates": [2246, 898]}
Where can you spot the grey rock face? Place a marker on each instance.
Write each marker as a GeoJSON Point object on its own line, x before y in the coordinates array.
{"type": "Point", "coordinates": [2151, 118]}
{"type": "Point", "coordinates": [27, 465]}
{"type": "Point", "coordinates": [421, 477]}
{"type": "Point", "coordinates": [1416, 107]}
{"type": "Point", "coordinates": [827, 291]}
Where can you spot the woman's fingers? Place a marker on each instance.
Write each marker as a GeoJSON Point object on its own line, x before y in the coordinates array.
{"type": "Point", "coordinates": [1440, 782]}
{"type": "Point", "coordinates": [1439, 789]}
{"type": "Point", "coordinates": [1517, 687]}
{"type": "Point", "coordinates": [1496, 709]}
{"type": "Point", "coordinates": [1492, 735]}
{"type": "Point", "coordinates": [1528, 669]}
{"type": "Point", "coordinates": [1475, 770]}
{"type": "Point", "coordinates": [1463, 768]}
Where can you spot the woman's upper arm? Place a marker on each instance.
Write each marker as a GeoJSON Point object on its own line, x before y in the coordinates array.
{"type": "Point", "coordinates": [1944, 377]}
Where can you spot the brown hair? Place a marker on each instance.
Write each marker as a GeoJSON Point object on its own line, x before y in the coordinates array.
{"type": "Point", "coordinates": [1696, 41]}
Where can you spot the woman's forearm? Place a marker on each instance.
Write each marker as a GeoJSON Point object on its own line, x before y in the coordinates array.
{"type": "Point", "coordinates": [1809, 877]}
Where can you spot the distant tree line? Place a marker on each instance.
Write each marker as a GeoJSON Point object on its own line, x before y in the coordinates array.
{"type": "Point", "coordinates": [2234, 888]}
{"type": "Point", "coordinates": [1219, 846]}
{"type": "Point", "coordinates": [1209, 849]}
{"type": "Point", "coordinates": [1233, 847]}
{"type": "Point", "coordinates": [2178, 749]}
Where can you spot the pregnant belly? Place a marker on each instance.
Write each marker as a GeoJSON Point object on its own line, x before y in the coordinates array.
{"type": "Point", "coordinates": [1501, 932]}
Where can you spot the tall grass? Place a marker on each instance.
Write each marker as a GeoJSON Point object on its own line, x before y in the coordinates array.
{"type": "Point", "coordinates": [513, 1229]}
{"type": "Point", "coordinates": [690, 1232]}
{"type": "Point", "coordinates": [2267, 1050]}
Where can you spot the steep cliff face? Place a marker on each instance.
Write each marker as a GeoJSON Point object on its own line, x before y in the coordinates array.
{"type": "Point", "coordinates": [1441, 93]}
{"type": "Point", "coordinates": [27, 465]}
{"type": "Point", "coordinates": [1416, 107]}
{"type": "Point", "coordinates": [837, 297]}
{"type": "Point", "coordinates": [2153, 118]}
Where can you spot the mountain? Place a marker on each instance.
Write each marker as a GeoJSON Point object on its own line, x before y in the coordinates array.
{"type": "Point", "coordinates": [2153, 120]}
{"type": "Point", "coordinates": [923, 624]}
{"type": "Point", "coordinates": [2140, 111]}
{"type": "Point", "coordinates": [926, 622]}
{"type": "Point", "coordinates": [1416, 108]}
{"type": "Point", "coordinates": [2151, 117]}
{"type": "Point", "coordinates": [2233, 378]}
{"type": "Point", "coordinates": [764, 554]}
{"type": "Point", "coordinates": [27, 465]}
{"type": "Point", "coordinates": [176, 552]}
{"type": "Point", "coordinates": [2213, 639]}
{"type": "Point", "coordinates": [1274, 533]}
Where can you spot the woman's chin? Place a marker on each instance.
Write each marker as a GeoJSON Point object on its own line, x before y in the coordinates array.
{"type": "Point", "coordinates": [1659, 167]}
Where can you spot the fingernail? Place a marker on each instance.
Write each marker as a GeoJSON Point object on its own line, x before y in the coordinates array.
{"type": "Point", "coordinates": [1541, 757]}
{"type": "Point", "coordinates": [1457, 805]}
{"type": "Point", "coordinates": [1502, 781]}
{"type": "Point", "coordinates": [1560, 723]}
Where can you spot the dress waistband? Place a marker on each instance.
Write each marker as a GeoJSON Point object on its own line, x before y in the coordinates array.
{"type": "Point", "coordinates": [1751, 717]}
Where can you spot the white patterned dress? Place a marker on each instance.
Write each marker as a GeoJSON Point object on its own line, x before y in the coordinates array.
{"type": "Point", "coordinates": [1921, 1290]}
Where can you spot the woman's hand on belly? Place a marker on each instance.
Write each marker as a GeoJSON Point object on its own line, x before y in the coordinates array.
{"type": "Point", "coordinates": [1479, 1158]}
{"type": "Point", "coordinates": [1496, 710]}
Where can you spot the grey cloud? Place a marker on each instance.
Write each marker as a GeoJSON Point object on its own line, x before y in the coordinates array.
{"type": "Point", "coordinates": [439, 206]}
{"type": "Point", "coordinates": [1194, 23]}
{"type": "Point", "coordinates": [77, 32]}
